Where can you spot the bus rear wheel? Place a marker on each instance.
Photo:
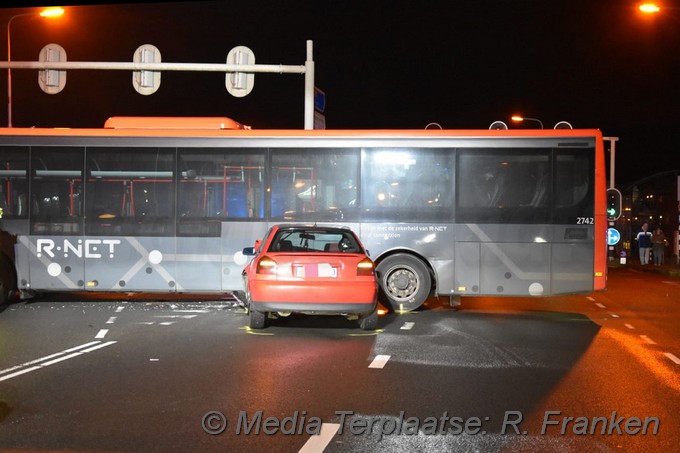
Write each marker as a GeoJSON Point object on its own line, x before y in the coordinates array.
{"type": "Point", "coordinates": [404, 282]}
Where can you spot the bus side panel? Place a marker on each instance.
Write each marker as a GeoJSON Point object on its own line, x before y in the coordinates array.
{"type": "Point", "coordinates": [515, 269]}
{"type": "Point", "coordinates": [21, 261]}
{"type": "Point", "coordinates": [235, 237]}
{"type": "Point", "coordinates": [132, 264]}
{"type": "Point", "coordinates": [572, 266]}
{"type": "Point", "coordinates": [198, 264]}
{"type": "Point", "coordinates": [467, 267]}
{"type": "Point", "coordinates": [50, 263]}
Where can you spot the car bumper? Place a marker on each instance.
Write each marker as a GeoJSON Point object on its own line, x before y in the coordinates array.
{"type": "Point", "coordinates": [361, 297]}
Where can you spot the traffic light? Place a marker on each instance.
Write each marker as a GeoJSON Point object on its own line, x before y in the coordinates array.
{"type": "Point", "coordinates": [613, 204]}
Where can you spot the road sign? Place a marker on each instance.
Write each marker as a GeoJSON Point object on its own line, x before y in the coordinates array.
{"type": "Point", "coordinates": [319, 100]}
{"type": "Point", "coordinates": [146, 82]}
{"type": "Point", "coordinates": [52, 81]}
{"type": "Point", "coordinates": [240, 84]}
{"type": "Point", "coordinates": [613, 236]}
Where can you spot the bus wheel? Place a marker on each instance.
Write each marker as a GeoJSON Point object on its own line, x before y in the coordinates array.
{"type": "Point", "coordinates": [404, 282]}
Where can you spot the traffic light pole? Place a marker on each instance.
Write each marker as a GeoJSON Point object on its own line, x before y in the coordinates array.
{"type": "Point", "coordinates": [612, 183]}
{"type": "Point", "coordinates": [612, 159]}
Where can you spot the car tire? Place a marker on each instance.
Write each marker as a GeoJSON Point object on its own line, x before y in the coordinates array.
{"type": "Point", "coordinates": [405, 282]}
{"type": "Point", "coordinates": [256, 319]}
{"type": "Point", "coordinates": [370, 321]}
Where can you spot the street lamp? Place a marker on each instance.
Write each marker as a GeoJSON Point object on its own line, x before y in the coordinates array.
{"type": "Point", "coordinates": [49, 12]}
{"type": "Point", "coordinates": [519, 119]}
{"type": "Point", "coordinates": [649, 8]}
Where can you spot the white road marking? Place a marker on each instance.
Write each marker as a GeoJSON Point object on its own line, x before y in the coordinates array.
{"type": "Point", "coordinates": [119, 309]}
{"type": "Point", "coordinates": [614, 315]}
{"type": "Point", "coordinates": [408, 326]}
{"type": "Point", "coordinates": [53, 358]}
{"type": "Point", "coordinates": [148, 323]}
{"type": "Point", "coordinates": [177, 316]}
{"type": "Point", "coordinates": [629, 326]}
{"type": "Point", "coordinates": [191, 311]}
{"type": "Point", "coordinates": [592, 299]}
{"type": "Point", "coordinates": [600, 305]}
{"type": "Point", "coordinates": [673, 357]}
{"type": "Point", "coordinates": [101, 334]}
{"type": "Point", "coordinates": [166, 323]}
{"type": "Point", "coordinates": [379, 361]}
{"type": "Point", "coordinates": [318, 442]}
{"type": "Point", "coordinates": [111, 320]}
{"type": "Point", "coordinates": [647, 339]}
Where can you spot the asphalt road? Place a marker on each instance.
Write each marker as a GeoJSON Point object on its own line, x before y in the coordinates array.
{"type": "Point", "coordinates": [500, 374]}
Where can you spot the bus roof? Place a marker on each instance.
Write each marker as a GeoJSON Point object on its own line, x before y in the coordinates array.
{"type": "Point", "coordinates": [167, 122]}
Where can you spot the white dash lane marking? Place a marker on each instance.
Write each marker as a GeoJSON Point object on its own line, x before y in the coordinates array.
{"type": "Point", "coordinates": [42, 359]}
{"type": "Point", "coordinates": [629, 326]}
{"type": "Point", "coordinates": [101, 334]}
{"type": "Point", "coordinates": [614, 315]}
{"type": "Point", "coordinates": [408, 326]}
{"type": "Point", "coordinates": [600, 305]}
{"type": "Point", "coordinates": [318, 442]}
{"type": "Point", "coordinates": [176, 316]}
{"type": "Point", "coordinates": [673, 357]}
{"type": "Point", "coordinates": [111, 320]}
{"type": "Point", "coordinates": [592, 299]}
{"type": "Point", "coordinates": [166, 323]}
{"type": "Point", "coordinates": [647, 339]}
{"type": "Point", "coordinates": [153, 360]}
{"type": "Point", "coordinates": [191, 311]}
{"type": "Point", "coordinates": [119, 309]}
{"type": "Point", "coordinates": [55, 359]}
{"type": "Point", "coordinates": [379, 361]}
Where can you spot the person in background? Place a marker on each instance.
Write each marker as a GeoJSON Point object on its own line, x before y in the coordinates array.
{"type": "Point", "coordinates": [658, 246]}
{"type": "Point", "coordinates": [644, 240]}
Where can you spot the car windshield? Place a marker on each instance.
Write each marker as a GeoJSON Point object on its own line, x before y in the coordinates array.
{"type": "Point", "coordinates": [317, 240]}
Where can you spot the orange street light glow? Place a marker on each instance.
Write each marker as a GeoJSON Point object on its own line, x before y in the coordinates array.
{"type": "Point", "coordinates": [52, 12]}
{"type": "Point", "coordinates": [649, 8]}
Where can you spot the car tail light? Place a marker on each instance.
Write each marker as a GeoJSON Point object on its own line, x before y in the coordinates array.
{"type": "Point", "coordinates": [365, 268]}
{"type": "Point", "coordinates": [266, 265]}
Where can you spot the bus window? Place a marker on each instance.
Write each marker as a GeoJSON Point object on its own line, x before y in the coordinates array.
{"type": "Point", "coordinates": [13, 182]}
{"type": "Point", "coordinates": [130, 191]}
{"type": "Point", "coordinates": [403, 184]}
{"type": "Point", "coordinates": [510, 185]}
{"type": "Point", "coordinates": [574, 185]}
{"type": "Point", "coordinates": [314, 184]}
{"type": "Point", "coordinates": [56, 196]}
{"type": "Point", "coordinates": [218, 184]}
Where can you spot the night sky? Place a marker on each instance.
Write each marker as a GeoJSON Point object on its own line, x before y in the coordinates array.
{"type": "Point", "coordinates": [383, 64]}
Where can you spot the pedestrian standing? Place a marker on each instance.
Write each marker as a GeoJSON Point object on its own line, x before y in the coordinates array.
{"type": "Point", "coordinates": [658, 246]}
{"type": "Point", "coordinates": [644, 241]}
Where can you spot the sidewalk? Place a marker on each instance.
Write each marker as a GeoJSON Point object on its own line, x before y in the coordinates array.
{"type": "Point", "coordinates": [670, 269]}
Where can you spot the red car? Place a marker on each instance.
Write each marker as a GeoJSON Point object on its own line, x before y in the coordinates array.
{"type": "Point", "coordinates": [311, 270]}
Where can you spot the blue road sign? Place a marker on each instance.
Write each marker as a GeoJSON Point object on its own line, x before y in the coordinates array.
{"type": "Point", "coordinates": [613, 236]}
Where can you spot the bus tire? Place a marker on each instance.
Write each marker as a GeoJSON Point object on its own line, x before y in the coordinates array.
{"type": "Point", "coordinates": [404, 282]}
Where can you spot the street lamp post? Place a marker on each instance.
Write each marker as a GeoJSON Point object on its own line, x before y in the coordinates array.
{"type": "Point", "coordinates": [49, 12]}
{"type": "Point", "coordinates": [519, 119]}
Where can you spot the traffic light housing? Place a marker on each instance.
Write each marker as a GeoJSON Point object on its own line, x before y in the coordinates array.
{"type": "Point", "coordinates": [613, 204]}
